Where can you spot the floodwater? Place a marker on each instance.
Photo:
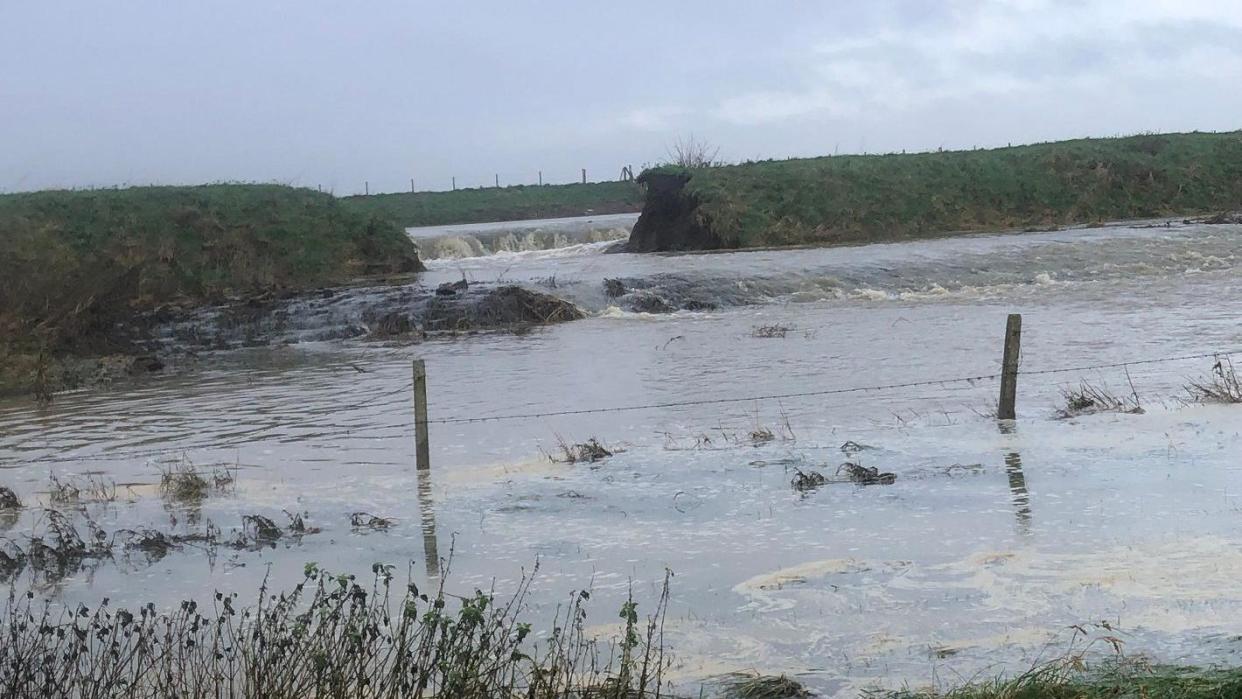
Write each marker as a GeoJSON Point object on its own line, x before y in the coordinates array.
{"type": "Point", "coordinates": [988, 546]}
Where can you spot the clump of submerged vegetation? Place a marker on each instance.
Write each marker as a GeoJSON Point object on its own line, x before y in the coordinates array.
{"type": "Point", "coordinates": [804, 481]}
{"type": "Point", "coordinates": [330, 636]}
{"type": "Point", "coordinates": [182, 481]}
{"type": "Point", "coordinates": [1088, 399]}
{"type": "Point", "coordinates": [366, 520]}
{"type": "Point", "coordinates": [56, 548]}
{"type": "Point", "coordinates": [752, 685]}
{"type": "Point", "coordinates": [589, 451]}
{"type": "Point", "coordinates": [848, 472]}
{"type": "Point", "coordinates": [9, 499]}
{"type": "Point", "coordinates": [79, 489]}
{"type": "Point", "coordinates": [865, 475]}
{"type": "Point", "coordinates": [1220, 386]}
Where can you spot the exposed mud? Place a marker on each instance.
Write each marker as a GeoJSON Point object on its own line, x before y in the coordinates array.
{"type": "Point", "coordinates": [669, 220]}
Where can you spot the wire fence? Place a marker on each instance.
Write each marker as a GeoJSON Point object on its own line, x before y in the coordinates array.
{"type": "Point", "coordinates": [406, 389]}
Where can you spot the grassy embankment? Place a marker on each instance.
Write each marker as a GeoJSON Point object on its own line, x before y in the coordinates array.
{"type": "Point", "coordinates": [501, 203]}
{"type": "Point", "coordinates": [75, 264]}
{"type": "Point", "coordinates": [869, 198]}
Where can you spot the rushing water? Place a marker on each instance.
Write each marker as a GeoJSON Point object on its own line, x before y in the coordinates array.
{"type": "Point", "coordinates": [990, 543]}
{"type": "Point", "coordinates": [481, 239]}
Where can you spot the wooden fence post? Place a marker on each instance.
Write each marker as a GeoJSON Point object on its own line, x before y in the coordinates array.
{"type": "Point", "coordinates": [454, 184]}
{"type": "Point", "coordinates": [366, 188]}
{"type": "Point", "coordinates": [411, 185]}
{"type": "Point", "coordinates": [583, 175]}
{"type": "Point", "coordinates": [422, 444]}
{"type": "Point", "coordinates": [541, 178]}
{"type": "Point", "coordinates": [1009, 368]}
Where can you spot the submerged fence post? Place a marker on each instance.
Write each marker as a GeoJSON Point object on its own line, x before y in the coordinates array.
{"type": "Point", "coordinates": [422, 444]}
{"type": "Point", "coordinates": [1009, 368]}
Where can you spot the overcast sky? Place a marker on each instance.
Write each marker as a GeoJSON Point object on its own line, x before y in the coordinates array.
{"type": "Point", "coordinates": [338, 93]}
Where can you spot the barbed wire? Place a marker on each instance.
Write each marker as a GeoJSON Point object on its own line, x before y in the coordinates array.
{"type": "Point", "coordinates": [314, 421]}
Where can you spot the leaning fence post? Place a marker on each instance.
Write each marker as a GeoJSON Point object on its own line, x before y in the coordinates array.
{"type": "Point", "coordinates": [422, 444]}
{"type": "Point", "coordinates": [1009, 368]}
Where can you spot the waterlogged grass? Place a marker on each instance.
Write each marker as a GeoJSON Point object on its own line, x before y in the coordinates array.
{"type": "Point", "coordinates": [1119, 683]}
{"type": "Point", "coordinates": [330, 636]}
{"type": "Point", "coordinates": [863, 198]}
{"type": "Point", "coordinates": [500, 203]}
{"type": "Point", "coordinates": [74, 263]}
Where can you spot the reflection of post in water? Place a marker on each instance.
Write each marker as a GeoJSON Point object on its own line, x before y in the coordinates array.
{"type": "Point", "coordinates": [427, 513]}
{"type": "Point", "coordinates": [1017, 486]}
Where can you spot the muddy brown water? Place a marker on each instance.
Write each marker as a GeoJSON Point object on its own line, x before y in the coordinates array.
{"type": "Point", "coordinates": [988, 545]}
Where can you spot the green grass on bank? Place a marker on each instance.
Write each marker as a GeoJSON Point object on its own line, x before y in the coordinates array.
{"type": "Point", "coordinates": [73, 263]}
{"type": "Point", "coordinates": [500, 203]}
{"type": "Point", "coordinates": [850, 199]}
{"type": "Point", "coordinates": [1124, 682]}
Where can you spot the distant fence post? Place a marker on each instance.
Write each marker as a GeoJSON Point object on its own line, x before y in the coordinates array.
{"type": "Point", "coordinates": [1009, 368]}
{"type": "Point", "coordinates": [454, 184]}
{"type": "Point", "coordinates": [366, 187]}
{"type": "Point", "coordinates": [411, 185]}
{"type": "Point", "coordinates": [583, 175]}
{"type": "Point", "coordinates": [422, 443]}
{"type": "Point", "coordinates": [541, 178]}
{"type": "Point", "coordinates": [497, 181]}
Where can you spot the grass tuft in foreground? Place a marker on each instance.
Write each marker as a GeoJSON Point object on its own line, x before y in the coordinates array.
{"type": "Point", "coordinates": [328, 637]}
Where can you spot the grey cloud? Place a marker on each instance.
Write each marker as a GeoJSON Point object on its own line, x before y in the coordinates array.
{"type": "Point", "coordinates": [332, 94]}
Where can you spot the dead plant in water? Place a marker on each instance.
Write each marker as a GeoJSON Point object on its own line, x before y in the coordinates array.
{"type": "Point", "coordinates": [804, 481]}
{"type": "Point", "coordinates": [1220, 386]}
{"type": "Point", "coordinates": [75, 490]}
{"type": "Point", "coordinates": [865, 475]}
{"type": "Point", "coordinates": [589, 451]}
{"type": "Point", "coordinates": [1088, 399]}
{"type": "Point", "coordinates": [366, 520]}
{"type": "Point", "coordinates": [330, 636]}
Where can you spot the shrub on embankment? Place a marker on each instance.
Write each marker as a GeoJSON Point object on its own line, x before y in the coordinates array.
{"type": "Point", "coordinates": [873, 198]}
{"type": "Point", "coordinates": [500, 203]}
{"type": "Point", "coordinates": [75, 263]}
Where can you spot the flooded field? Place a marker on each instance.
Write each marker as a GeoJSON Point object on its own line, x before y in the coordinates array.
{"type": "Point", "coordinates": [988, 545]}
